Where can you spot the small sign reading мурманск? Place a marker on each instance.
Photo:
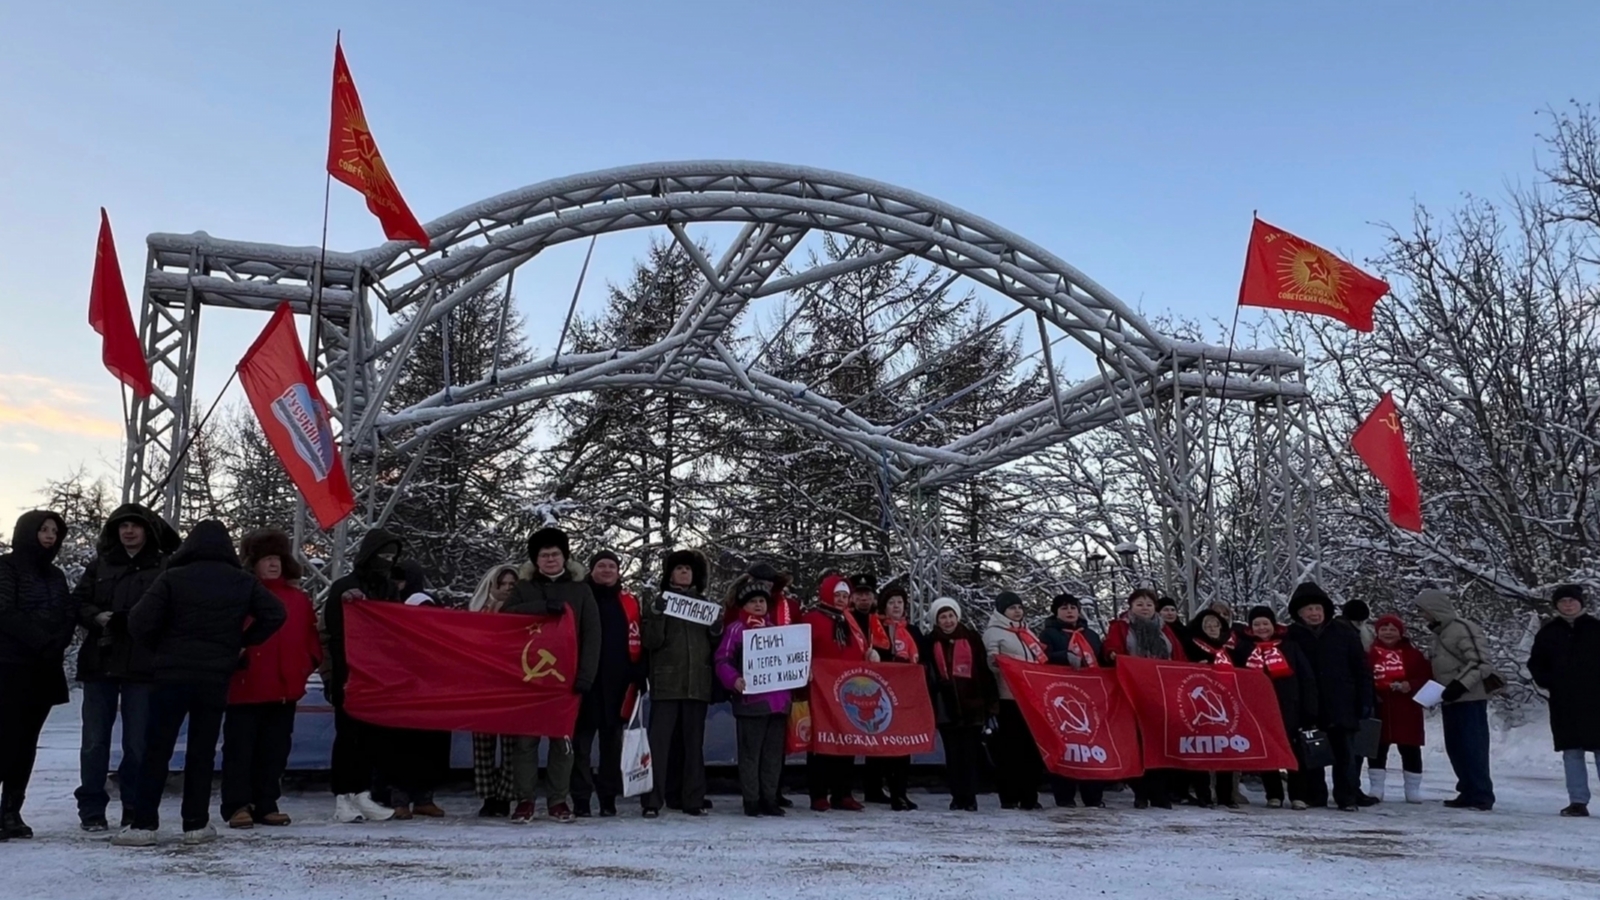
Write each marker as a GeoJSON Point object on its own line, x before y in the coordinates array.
{"type": "Point", "coordinates": [690, 609]}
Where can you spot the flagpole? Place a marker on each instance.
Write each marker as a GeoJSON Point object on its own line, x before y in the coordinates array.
{"type": "Point", "coordinates": [1222, 395]}
{"type": "Point", "coordinates": [188, 439]}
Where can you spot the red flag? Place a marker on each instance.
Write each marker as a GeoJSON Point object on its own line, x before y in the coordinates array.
{"type": "Point", "coordinates": [1380, 441]}
{"type": "Point", "coordinates": [869, 709]}
{"type": "Point", "coordinates": [1081, 720]}
{"type": "Point", "coordinates": [1282, 271]}
{"type": "Point", "coordinates": [1205, 718]}
{"type": "Point", "coordinates": [452, 670]}
{"type": "Point", "coordinates": [353, 158]}
{"type": "Point", "coordinates": [289, 407]}
{"type": "Point", "coordinates": [110, 318]}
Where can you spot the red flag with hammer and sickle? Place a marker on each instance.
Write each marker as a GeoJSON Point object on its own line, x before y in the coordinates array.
{"type": "Point", "coordinates": [353, 158]}
{"type": "Point", "coordinates": [1380, 441]}
{"type": "Point", "coordinates": [1081, 720]}
{"type": "Point", "coordinates": [1205, 718]}
{"type": "Point", "coordinates": [1282, 271]}
{"type": "Point", "coordinates": [450, 670]}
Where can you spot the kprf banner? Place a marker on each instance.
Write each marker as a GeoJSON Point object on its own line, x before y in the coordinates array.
{"type": "Point", "coordinates": [1205, 718]}
{"type": "Point", "coordinates": [289, 408]}
{"type": "Point", "coordinates": [869, 709]}
{"type": "Point", "coordinates": [451, 670]}
{"type": "Point", "coordinates": [1083, 723]}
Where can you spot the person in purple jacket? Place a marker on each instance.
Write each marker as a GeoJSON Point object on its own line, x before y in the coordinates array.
{"type": "Point", "coordinates": [763, 718]}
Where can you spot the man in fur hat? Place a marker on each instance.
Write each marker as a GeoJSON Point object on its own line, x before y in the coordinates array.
{"type": "Point", "coordinates": [681, 657]}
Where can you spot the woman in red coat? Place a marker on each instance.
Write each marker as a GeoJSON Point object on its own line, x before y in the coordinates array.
{"type": "Point", "coordinates": [1398, 670]}
{"type": "Point", "coordinates": [259, 725]}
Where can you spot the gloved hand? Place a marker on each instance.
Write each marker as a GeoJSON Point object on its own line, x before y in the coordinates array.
{"type": "Point", "coordinates": [1454, 691]}
{"type": "Point", "coordinates": [660, 606]}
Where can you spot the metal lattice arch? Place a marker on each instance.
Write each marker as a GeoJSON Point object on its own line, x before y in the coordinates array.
{"type": "Point", "coordinates": [1165, 388]}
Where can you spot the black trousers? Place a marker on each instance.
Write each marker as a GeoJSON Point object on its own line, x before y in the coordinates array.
{"type": "Point", "coordinates": [1152, 786]}
{"type": "Point", "coordinates": [1016, 757]}
{"type": "Point", "coordinates": [255, 751]}
{"type": "Point", "coordinates": [1346, 773]}
{"type": "Point", "coordinates": [686, 719]}
{"type": "Point", "coordinates": [829, 777]}
{"type": "Point", "coordinates": [1410, 758]}
{"type": "Point", "coordinates": [21, 719]}
{"type": "Point", "coordinates": [761, 745]}
{"type": "Point", "coordinates": [411, 763]}
{"type": "Point", "coordinates": [1066, 790]}
{"type": "Point", "coordinates": [203, 704]}
{"type": "Point", "coordinates": [606, 781]}
{"type": "Point", "coordinates": [1225, 783]}
{"type": "Point", "coordinates": [962, 751]}
{"type": "Point", "coordinates": [1273, 784]}
{"type": "Point", "coordinates": [353, 748]}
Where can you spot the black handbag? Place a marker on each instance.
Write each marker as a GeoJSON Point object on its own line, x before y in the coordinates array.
{"type": "Point", "coordinates": [1315, 752]}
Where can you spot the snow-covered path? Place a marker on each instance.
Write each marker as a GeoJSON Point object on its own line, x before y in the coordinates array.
{"type": "Point", "coordinates": [1521, 850]}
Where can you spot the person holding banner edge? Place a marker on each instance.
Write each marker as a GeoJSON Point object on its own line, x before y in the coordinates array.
{"type": "Point", "coordinates": [1141, 632]}
{"type": "Point", "coordinates": [1069, 641]}
{"type": "Point", "coordinates": [552, 584]}
{"type": "Point", "coordinates": [1295, 685]}
{"type": "Point", "coordinates": [835, 634]}
{"type": "Point", "coordinates": [903, 644]}
{"type": "Point", "coordinates": [1017, 759]}
{"type": "Point", "coordinates": [491, 753]}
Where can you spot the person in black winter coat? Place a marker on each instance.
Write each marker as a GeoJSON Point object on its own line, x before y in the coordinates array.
{"type": "Point", "coordinates": [357, 745]}
{"type": "Point", "coordinates": [412, 762]}
{"type": "Point", "coordinates": [37, 619]}
{"type": "Point", "coordinates": [193, 619]}
{"type": "Point", "coordinates": [1295, 685]}
{"type": "Point", "coordinates": [1069, 641]}
{"type": "Point", "coordinates": [1566, 662]}
{"type": "Point", "coordinates": [1344, 687]}
{"type": "Point", "coordinates": [618, 681]}
{"type": "Point", "coordinates": [114, 668]}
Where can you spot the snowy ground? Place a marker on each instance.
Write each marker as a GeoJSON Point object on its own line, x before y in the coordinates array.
{"type": "Point", "coordinates": [1521, 850]}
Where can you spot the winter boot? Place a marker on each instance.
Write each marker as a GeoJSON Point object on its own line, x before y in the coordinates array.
{"type": "Point", "coordinates": [345, 810]}
{"type": "Point", "coordinates": [1413, 787]}
{"type": "Point", "coordinates": [371, 810]}
{"type": "Point", "coordinates": [1376, 780]}
{"type": "Point", "coordinates": [242, 818]}
{"type": "Point", "coordinates": [12, 826]}
{"type": "Point", "coordinates": [1575, 811]}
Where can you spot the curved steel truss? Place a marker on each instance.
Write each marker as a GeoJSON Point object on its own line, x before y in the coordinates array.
{"type": "Point", "coordinates": [777, 206]}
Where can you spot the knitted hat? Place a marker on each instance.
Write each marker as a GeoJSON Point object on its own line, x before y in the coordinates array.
{"type": "Point", "coordinates": [752, 590]}
{"type": "Point", "coordinates": [549, 537]}
{"type": "Point", "coordinates": [604, 554]}
{"type": "Point", "coordinates": [1566, 592]}
{"type": "Point", "coordinates": [1309, 594]}
{"type": "Point", "coordinates": [1391, 619]}
{"type": "Point", "coordinates": [1005, 601]}
{"type": "Point", "coordinates": [940, 605]}
{"type": "Point", "coordinates": [1262, 612]}
{"type": "Point", "coordinates": [1064, 600]}
{"type": "Point", "coordinates": [1166, 602]}
{"type": "Point", "coordinates": [1357, 611]}
{"type": "Point", "coordinates": [894, 589]}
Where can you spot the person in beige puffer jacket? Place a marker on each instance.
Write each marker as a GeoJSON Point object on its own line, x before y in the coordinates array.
{"type": "Point", "coordinates": [1460, 659]}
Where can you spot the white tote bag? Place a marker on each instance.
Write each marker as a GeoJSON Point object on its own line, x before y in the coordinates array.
{"type": "Point", "coordinates": [638, 773]}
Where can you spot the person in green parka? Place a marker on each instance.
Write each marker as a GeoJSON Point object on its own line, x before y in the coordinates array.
{"type": "Point", "coordinates": [681, 673]}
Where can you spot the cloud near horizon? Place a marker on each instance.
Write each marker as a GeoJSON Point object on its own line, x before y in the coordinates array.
{"type": "Point", "coordinates": [29, 403]}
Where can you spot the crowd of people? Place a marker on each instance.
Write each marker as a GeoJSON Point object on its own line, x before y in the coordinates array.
{"type": "Point", "coordinates": [225, 639]}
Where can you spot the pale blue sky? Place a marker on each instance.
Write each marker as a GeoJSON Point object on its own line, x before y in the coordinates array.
{"type": "Point", "coordinates": [1132, 138]}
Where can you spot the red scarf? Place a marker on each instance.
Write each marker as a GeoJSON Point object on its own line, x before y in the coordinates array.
{"type": "Point", "coordinates": [863, 643]}
{"type": "Point", "coordinates": [901, 644]}
{"type": "Point", "coordinates": [630, 610]}
{"type": "Point", "coordinates": [1388, 665]}
{"type": "Point", "coordinates": [1269, 658]}
{"type": "Point", "coordinates": [1221, 656]}
{"type": "Point", "coordinates": [1030, 643]}
{"type": "Point", "coordinates": [962, 668]}
{"type": "Point", "coordinates": [780, 609]}
{"type": "Point", "coordinates": [1079, 644]}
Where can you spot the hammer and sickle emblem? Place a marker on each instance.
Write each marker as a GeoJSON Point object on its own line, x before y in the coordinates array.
{"type": "Point", "coordinates": [545, 666]}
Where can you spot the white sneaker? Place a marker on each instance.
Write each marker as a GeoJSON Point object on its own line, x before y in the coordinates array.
{"type": "Point", "coordinates": [372, 810]}
{"type": "Point", "coordinates": [134, 837]}
{"type": "Point", "coordinates": [345, 811]}
{"type": "Point", "coordinates": [205, 834]}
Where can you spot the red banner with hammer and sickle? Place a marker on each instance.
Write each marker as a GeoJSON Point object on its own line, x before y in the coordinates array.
{"type": "Point", "coordinates": [869, 709]}
{"type": "Point", "coordinates": [1205, 718]}
{"type": "Point", "coordinates": [1081, 720]}
{"type": "Point", "coordinates": [449, 670]}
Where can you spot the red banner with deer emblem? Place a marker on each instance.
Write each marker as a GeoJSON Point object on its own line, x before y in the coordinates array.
{"type": "Point", "coordinates": [450, 670]}
{"type": "Point", "coordinates": [1081, 720]}
{"type": "Point", "coordinates": [869, 709]}
{"type": "Point", "coordinates": [1205, 718]}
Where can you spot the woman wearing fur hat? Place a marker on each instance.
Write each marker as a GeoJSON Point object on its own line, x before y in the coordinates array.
{"type": "Point", "coordinates": [1344, 685]}
{"type": "Point", "coordinates": [1015, 751]}
{"type": "Point", "coordinates": [964, 698]}
{"type": "Point", "coordinates": [1566, 662]}
{"type": "Point", "coordinates": [681, 674]}
{"type": "Point", "coordinates": [1295, 686]}
{"type": "Point", "coordinates": [762, 718]}
{"type": "Point", "coordinates": [902, 644]}
{"type": "Point", "coordinates": [552, 584]}
{"type": "Point", "coordinates": [491, 753]}
{"type": "Point", "coordinates": [1398, 670]}
{"type": "Point", "coordinates": [259, 726]}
